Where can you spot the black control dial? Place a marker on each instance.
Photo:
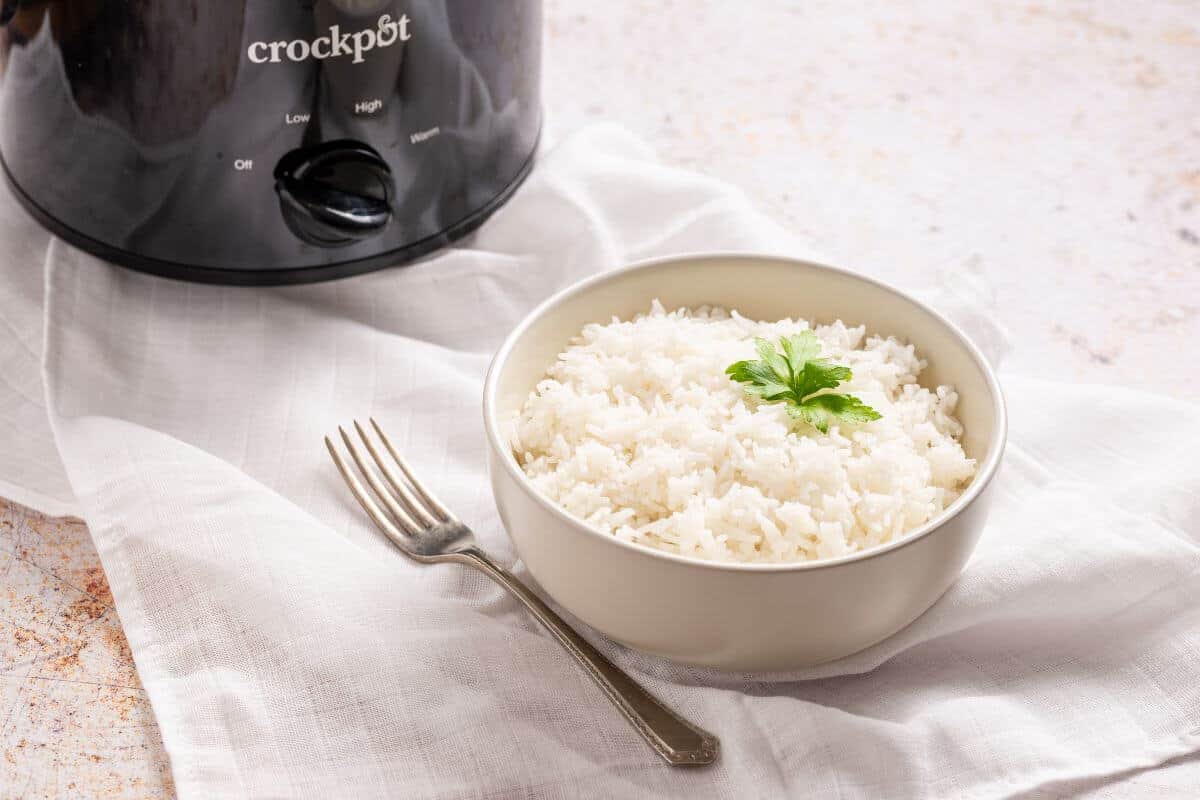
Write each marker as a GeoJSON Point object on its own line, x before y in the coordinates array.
{"type": "Point", "coordinates": [335, 193]}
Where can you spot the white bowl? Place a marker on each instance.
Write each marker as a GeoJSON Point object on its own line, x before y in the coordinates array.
{"type": "Point", "coordinates": [728, 615]}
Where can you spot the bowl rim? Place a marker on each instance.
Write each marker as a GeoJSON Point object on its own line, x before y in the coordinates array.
{"type": "Point", "coordinates": [503, 451]}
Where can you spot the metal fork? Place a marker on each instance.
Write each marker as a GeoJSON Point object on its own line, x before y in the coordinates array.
{"type": "Point", "coordinates": [424, 530]}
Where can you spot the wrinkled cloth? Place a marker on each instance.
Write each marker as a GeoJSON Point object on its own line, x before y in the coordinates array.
{"type": "Point", "coordinates": [289, 651]}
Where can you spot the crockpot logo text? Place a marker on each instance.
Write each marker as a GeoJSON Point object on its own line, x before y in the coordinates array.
{"type": "Point", "coordinates": [337, 44]}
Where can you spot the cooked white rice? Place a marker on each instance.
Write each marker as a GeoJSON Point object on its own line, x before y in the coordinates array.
{"type": "Point", "coordinates": [637, 429]}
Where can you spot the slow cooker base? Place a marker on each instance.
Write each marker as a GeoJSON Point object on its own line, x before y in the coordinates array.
{"type": "Point", "coordinates": [269, 277]}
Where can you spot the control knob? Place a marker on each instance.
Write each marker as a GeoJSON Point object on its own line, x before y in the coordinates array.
{"type": "Point", "coordinates": [336, 193]}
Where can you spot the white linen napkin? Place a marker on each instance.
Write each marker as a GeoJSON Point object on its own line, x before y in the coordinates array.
{"type": "Point", "coordinates": [31, 472]}
{"type": "Point", "coordinates": [289, 651]}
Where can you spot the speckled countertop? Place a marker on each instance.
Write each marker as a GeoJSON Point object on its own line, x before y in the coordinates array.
{"type": "Point", "coordinates": [74, 720]}
{"type": "Point", "coordinates": [1049, 151]}
{"type": "Point", "coordinates": [1051, 148]}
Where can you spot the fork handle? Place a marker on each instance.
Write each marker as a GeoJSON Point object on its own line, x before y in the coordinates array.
{"type": "Point", "coordinates": [678, 741]}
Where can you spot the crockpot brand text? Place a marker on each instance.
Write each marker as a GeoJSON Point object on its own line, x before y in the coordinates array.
{"type": "Point", "coordinates": [337, 44]}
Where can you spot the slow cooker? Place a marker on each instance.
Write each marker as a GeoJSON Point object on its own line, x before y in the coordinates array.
{"type": "Point", "coordinates": [266, 141]}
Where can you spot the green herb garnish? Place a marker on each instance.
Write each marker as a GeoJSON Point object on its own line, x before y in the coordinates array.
{"type": "Point", "coordinates": [799, 378]}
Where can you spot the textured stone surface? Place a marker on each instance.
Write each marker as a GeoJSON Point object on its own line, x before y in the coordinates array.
{"type": "Point", "coordinates": [74, 719]}
{"type": "Point", "coordinates": [1051, 148]}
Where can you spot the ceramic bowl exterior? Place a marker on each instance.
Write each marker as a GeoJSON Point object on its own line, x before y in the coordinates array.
{"type": "Point", "coordinates": [742, 616]}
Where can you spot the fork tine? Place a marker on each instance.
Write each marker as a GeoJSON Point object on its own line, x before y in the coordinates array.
{"type": "Point", "coordinates": [431, 502]}
{"type": "Point", "coordinates": [360, 494]}
{"type": "Point", "coordinates": [406, 521]}
{"type": "Point", "coordinates": [411, 503]}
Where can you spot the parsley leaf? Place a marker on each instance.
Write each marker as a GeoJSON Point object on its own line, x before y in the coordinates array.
{"type": "Point", "coordinates": [799, 378]}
